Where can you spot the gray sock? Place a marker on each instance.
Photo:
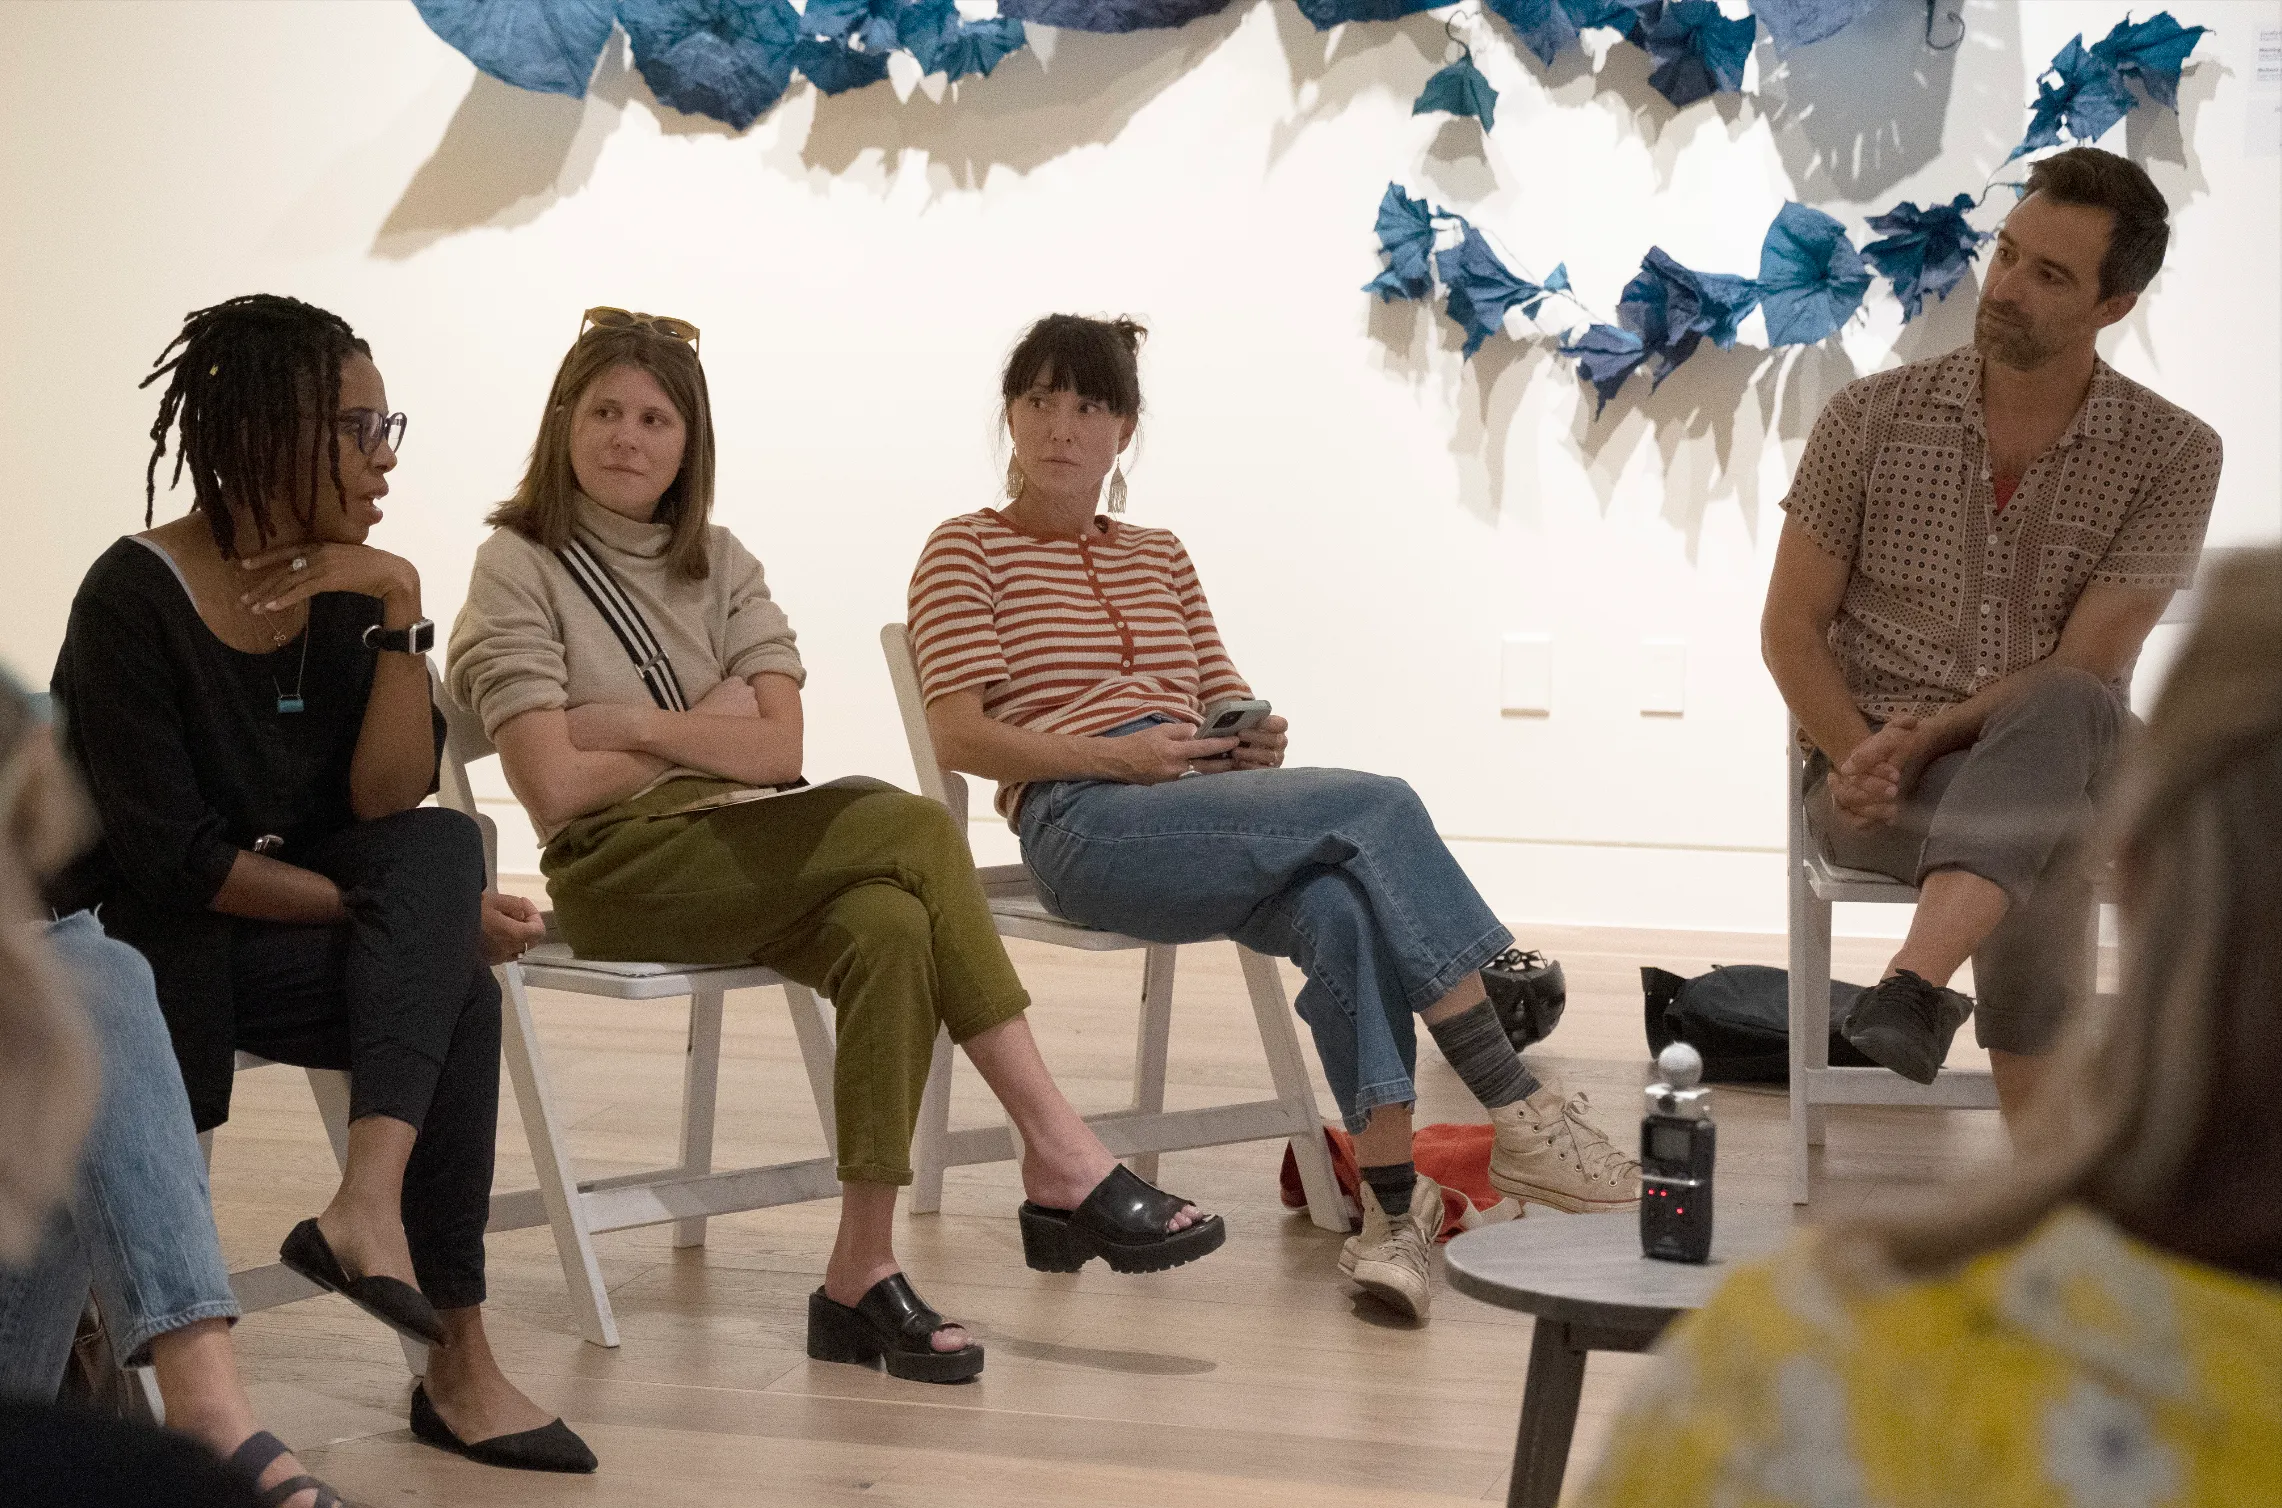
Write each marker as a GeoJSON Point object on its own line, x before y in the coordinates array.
{"type": "Point", "coordinates": [1478, 1048]}
{"type": "Point", "coordinates": [1392, 1182]}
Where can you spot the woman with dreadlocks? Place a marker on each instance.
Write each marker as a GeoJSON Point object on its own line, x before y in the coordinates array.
{"type": "Point", "coordinates": [245, 691]}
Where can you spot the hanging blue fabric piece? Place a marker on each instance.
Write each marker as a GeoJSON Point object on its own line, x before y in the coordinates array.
{"type": "Point", "coordinates": [1924, 250]}
{"type": "Point", "coordinates": [1811, 279]}
{"type": "Point", "coordinates": [551, 48]}
{"type": "Point", "coordinates": [728, 60]}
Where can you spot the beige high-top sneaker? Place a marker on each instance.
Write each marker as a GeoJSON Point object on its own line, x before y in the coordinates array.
{"type": "Point", "coordinates": [1391, 1259]}
{"type": "Point", "coordinates": [1546, 1150]}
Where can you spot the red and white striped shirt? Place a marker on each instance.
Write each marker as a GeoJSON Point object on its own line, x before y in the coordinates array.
{"type": "Point", "coordinates": [1063, 635]}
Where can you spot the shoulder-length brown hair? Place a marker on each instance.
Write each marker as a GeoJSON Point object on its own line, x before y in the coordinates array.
{"type": "Point", "coordinates": [2160, 1112]}
{"type": "Point", "coordinates": [542, 508]}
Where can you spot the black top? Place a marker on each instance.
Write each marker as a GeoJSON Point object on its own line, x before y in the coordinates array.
{"type": "Point", "coordinates": [189, 760]}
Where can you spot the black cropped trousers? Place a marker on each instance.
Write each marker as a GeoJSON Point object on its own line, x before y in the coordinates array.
{"type": "Point", "coordinates": [400, 996]}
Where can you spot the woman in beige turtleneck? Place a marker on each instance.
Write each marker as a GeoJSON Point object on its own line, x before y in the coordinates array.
{"type": "Point", "coordinates": [857, 889]}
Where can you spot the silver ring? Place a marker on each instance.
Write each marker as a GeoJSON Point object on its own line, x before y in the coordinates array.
{"type": "Point", "coordinates": [300, 563]}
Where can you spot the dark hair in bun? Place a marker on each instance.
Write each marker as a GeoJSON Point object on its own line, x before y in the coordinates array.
{"type": "Point", "coordinates": [1094, 357]}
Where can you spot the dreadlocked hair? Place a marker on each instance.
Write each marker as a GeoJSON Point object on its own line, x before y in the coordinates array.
{"type": "Point", "coordinates": [246, 378]}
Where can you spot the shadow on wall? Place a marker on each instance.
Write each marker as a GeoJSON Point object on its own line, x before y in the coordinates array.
{"type": "Point", "coordinates": [507, 156]}
{"type": "Point", "coordinates": [1034, 107]}
{"type": "Point", "coordinates": [1855, 114]}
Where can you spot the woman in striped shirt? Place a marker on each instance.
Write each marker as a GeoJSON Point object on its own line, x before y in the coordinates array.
{"type": "Point", "coordinates": [1070, 656]}
{"type": "Point", "coordinates": [647, 776]}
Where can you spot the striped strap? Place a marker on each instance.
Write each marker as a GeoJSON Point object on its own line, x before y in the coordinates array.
{"type": "Point", "coordinates": [626, 621]}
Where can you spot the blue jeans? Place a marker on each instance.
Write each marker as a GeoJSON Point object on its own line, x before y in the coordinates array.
{"type": "Point", "coordinates": [1338, 871]}
{"type": "Point", "coordinates": [141, 1224]}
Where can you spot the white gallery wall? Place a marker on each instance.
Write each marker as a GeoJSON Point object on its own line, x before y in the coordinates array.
{"type": "Point", "coordinates": [1374, 516]}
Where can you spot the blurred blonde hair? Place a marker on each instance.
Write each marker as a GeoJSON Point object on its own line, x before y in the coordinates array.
{"type": "Point", "coordinates": [2161, 1112]}
{"type": "Point", "coordinates": [48, 1076]}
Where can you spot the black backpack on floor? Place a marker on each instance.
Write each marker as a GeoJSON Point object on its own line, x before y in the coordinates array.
{"type": "Point", "coordinates": [1738, 1017]}
{"type": "Point", "coordinates": [1528, 992]}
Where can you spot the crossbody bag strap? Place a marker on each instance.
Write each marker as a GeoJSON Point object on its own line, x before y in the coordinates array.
{"type": "Point", "coordinates": [626, 621]}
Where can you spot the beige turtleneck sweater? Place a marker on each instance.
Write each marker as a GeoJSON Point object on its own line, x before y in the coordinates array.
{"type": "Point", "coordinates": [527, 637]}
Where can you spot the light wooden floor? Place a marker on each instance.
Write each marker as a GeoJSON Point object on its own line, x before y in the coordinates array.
{"type": "Point", "coordinates": [1255, 1376]}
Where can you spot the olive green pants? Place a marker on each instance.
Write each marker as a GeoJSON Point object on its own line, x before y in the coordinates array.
{"type": "Point", "coordinates": [862, 892]}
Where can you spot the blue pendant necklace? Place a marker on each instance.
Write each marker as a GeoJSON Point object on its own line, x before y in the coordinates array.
{"type": "Point", "coordinates": [287, 703]}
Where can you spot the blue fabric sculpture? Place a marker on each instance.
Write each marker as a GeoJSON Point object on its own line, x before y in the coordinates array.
{"type": "Point", "coordinates": [1110, 15]}
{"type": "Point", "coordinates": [1924, 250]}
{"type": "Point", "coordinates": [1625, 17]}
{"type": "Point", "coordinates": [1698, 51]}
{"type": "Point", "coordinates": [1406, 238]}
{"type": "Point", "coordinates": [2151, 51]}
{"type": "Point", "coordinates": [1797, 23]}
{"type": "Point", "coordinates": [944, 42]}
{"type": "Point", "coordinates": [551, 48]}
{"type": "Point", "coordinates": [1329, 13]}
{"type": "Point", "coordinates": [1481, 289]}
{"type": "Point", "coordinates": [1811, 279]}
{"type": "Point", "coordinates": [1672, 308]}
{"type": "Point", "coordinates": [870, 24]}
{"type": "Point", "coordinates": [730, 60]}
{"type": "Point", "coordinates": [1605, 356]}
{"type": "Point", "coordinates": [2083, 91]}
{"type": "Point", "coordinates": [836, 67]}
{"type": "Point", "coordinates": [1542, 26]}
{"type": "Point", "coordinates": [1460, 89]}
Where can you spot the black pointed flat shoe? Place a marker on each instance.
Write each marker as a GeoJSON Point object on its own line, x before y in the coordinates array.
{"type": "Point", "coordinates": [255, 1456]}
{"type": "Point", "coordinates": [892, 1325]}
{"type": "Point", "coordinates": [392, 1301]}
{"type": "Point", "coordinates": [550, 1447]}
{"type": "Point", "coordinates": [1122, 1222]}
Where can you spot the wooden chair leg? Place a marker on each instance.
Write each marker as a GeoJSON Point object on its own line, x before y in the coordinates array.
{"type": "Point", "coordinates": [1288, 1070]}
{"type": "Point", "coordinates": [558, 1185]}
{"type": "Point", "coordinates": [1153, 1045]}
{"type": "Point", "coordinates": [812, 1023]}
{"type": "Point", "coordinates": [929, 1141]}
{"type": "Point", "coordinates": [700, 1092]}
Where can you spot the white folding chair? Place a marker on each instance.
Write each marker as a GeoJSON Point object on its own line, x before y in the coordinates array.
{"type": "Point", "coordinates": [1146, 1128]}
{"type": "Point", "coordinates": [690, 1190]}
{"type": "Point", "coordinates": [1816, 884]}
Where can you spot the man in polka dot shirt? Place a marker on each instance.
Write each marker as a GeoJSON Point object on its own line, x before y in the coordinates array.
{"type": "Point", "coordinates": [1976, 548]}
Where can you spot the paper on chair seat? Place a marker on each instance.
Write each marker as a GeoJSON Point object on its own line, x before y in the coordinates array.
{"type": "Point", "coordinates": [559, 956]}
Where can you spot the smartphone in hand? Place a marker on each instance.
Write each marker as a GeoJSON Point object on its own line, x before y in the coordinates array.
{"type": "Point", "coordinates": [1230, 718]}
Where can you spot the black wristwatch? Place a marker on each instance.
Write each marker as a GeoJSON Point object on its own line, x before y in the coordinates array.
{"type": "Point", "coordinates": [415, 638]}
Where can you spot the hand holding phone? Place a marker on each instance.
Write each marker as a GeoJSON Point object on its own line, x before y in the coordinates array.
{"type": "Point", "coordinates": [1231, 719]}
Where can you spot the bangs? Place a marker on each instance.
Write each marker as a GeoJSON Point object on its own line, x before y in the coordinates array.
{"type": "Point", "coordinates": [1064, 353]}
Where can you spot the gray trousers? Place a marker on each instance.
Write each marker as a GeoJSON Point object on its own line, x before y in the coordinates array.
{"type": "Point", "coordinates": [2014, 808]}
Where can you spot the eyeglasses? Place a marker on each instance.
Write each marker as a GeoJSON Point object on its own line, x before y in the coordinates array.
{"type": "Point", "coordinates": [607, 318]}
{"type": "Point", "coordinates": [375, 428]}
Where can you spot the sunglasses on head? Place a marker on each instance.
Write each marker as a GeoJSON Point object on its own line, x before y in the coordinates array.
{"type": "Point", "coordinates": [602, 316]}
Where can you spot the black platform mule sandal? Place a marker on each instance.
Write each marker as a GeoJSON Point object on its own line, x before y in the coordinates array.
{"type": "Point", "coordinates": [1122, 1222]}
{"type": "Point", "coordinates": [889, 1324]}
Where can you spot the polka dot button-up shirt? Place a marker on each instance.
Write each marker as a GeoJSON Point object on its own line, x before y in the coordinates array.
{"type": "Point", "coordinates": [1950, 594]}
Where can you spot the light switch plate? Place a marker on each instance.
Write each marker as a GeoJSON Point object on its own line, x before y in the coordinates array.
{"type": "Point", "coordinates": [1663, 677]}
{"type": "Point", "coordinates": [1525, 675]}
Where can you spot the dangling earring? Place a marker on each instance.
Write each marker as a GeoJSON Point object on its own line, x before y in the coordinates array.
{"type": "Point", "coordinates": [1014, 479]}
{"type": "Point", "coordinates": [1117, 489]}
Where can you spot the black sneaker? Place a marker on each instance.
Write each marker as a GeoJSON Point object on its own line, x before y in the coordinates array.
{"type": "Point", "coordinates": [1905, 1024]}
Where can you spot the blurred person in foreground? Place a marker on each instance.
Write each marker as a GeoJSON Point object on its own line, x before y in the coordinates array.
{"type": "Point", "coordinates": [85, 1133]}
{"type": "Point", "coordinates": [2106, 1325]}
